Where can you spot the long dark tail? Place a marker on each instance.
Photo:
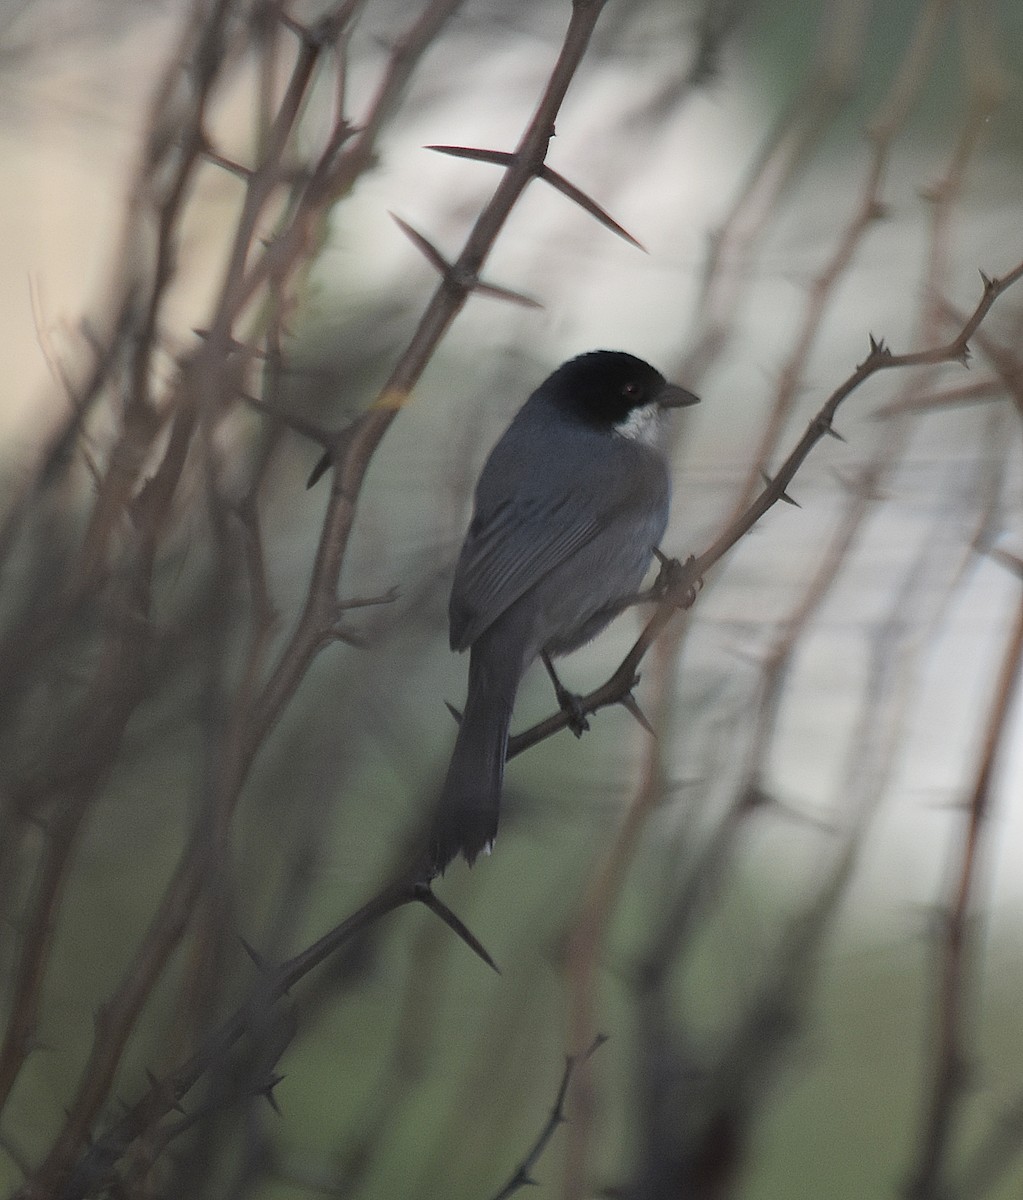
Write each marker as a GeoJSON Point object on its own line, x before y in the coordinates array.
{"type": "Point", "coordinates": [466, 820]}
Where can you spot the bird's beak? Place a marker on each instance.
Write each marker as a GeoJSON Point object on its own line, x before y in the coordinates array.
{"type": "Point", "coordinates": [673, 396]}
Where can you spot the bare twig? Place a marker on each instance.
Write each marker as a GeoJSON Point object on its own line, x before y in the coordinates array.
{"type": "Point", "coordinates": [522, 1176]}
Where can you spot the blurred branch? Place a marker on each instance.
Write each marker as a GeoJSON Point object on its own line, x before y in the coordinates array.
{"type": "Point", "coordinates": [194, 397]}
{"type": "Point", "coordinates": [951, 1067]}
{"type": "Point", "coordinates": [798, 129]}
{"type": "Point", "coordinates": [598, 903]}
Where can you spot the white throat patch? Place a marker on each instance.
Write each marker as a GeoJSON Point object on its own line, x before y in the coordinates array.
{"type": "Point", "coordinates": [643, 424]}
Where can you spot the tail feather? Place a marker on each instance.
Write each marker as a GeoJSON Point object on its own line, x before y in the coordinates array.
{"type": "Point", "coordinates": [467, 815]}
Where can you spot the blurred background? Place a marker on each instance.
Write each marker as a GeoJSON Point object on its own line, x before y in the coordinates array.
{"type": "Point", "coordinates": [796, 915]}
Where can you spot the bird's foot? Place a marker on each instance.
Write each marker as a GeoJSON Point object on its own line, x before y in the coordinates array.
{"type": "Point", "coordinates": [572, 706]}
{"type": "Point", "coordinates": [670, 577]}
{"type": "Point", "coordinates": [570, 703]}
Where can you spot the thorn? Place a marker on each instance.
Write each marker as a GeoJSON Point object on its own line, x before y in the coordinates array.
{"type": "Point", "coordinates": [236, 346]}
{"type": "Point", "coordinates": [425, 895]}
{"type": "Point", "coordinates": [784, 495]}
{"type": "Point", "coordinates": [324, 464]}
{"type": "Point", "coordinates": [503, 158]}
{"type": "Point", "coordinates": [561, 184]}
{"type": "Point", "coordinates": [988, 283]}
{"type": "Point", "coordinates": [387, 597]}
{"type": "Point", "coordinates": [267, 1092]}
{"type": "Point", "coordinates": [831, 431]}
{"type": "Point", "coordinates": [1010, 561]}
{"type": "Point", "coordinates": [254, 954]}
{"type": "Point", "coordinates": [336, 445]}
{"type": "Point", "coordinates": [423, 245]}
{"type": "Point", "coordinates": [461, 280]}
{"type": "Point", "coordinates": [455, 712]}
{"type": "Point", "coordinates": [503, 293]}
{"type": "Point", "coordinates": [226, 164]}
{"type": "Point", "coordinates": [629, 703]}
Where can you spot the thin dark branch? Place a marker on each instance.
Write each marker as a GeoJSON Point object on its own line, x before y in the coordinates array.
{"type": "Point", "coordinates": [366, 435]}
{"type": "Point", "coordinates": [523, 1173]}
{"type": "Point", "coordinates": [682, 593]}
{"type": "Point", "coordinates": [164, 1096]}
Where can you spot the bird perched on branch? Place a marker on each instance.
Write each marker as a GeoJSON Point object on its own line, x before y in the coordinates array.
{"type": "Point", "coordinates": [569, 510]}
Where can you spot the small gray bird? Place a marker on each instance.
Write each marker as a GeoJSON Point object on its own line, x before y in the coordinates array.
{"type": "Point", "coordinates": [570, 507]}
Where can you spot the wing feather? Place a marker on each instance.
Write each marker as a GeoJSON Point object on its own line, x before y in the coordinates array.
{"type": "Point", "coordinates": [504, 557]}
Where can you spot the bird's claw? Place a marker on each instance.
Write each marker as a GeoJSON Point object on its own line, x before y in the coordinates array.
{"type": "Point", "coordinates": [670, 577]}
{"type": "Point", "coordinates": [572, 706]}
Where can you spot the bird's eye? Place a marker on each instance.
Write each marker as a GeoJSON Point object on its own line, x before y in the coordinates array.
{"type": "Point", "coordinates": [631, 391]}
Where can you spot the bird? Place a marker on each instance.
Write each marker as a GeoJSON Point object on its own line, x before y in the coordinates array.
{"type": "Point", "coordinates": [569, 510]}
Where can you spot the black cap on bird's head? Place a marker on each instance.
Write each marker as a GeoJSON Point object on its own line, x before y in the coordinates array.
{"type": "Point", "coordinates": [605, 386]}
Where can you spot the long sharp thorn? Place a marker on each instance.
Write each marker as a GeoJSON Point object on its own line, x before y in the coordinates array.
{"type": "Point", "coordinates": [784, 495]}
{"type": "Point", "coordinates": [267, 1092]}
{"type": "Point", "coordinates": [426, 896]}
{"type": "Point", "coordinates": [423, 245]}
{"type": "Point", "coordinates": [253, 953]}
{"type": "Point", "coordinates": [561, 184]}
{"type": "Point", "coordinates": [628, 702]}
{"type": "Point", "coordinates": [502, 293]}
{"type": "Point", "coordinates": [501, 158]}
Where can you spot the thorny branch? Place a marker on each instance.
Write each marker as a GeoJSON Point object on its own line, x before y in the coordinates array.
{"type": "Point", "coordinates": [94, 1169]}
{"type": "Point", "coordinates": [952, 1065]}
{"type": "Point", "coordinates": [204, 377]}
{"type": "Point", "coordinates": [522, 1176]}
{"type": "Point", "coordinates": [362, 441]}
{"type": "Point", "coordinates": [682, 590]}
{"type": "Point", "coordinates": [281, 218]}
